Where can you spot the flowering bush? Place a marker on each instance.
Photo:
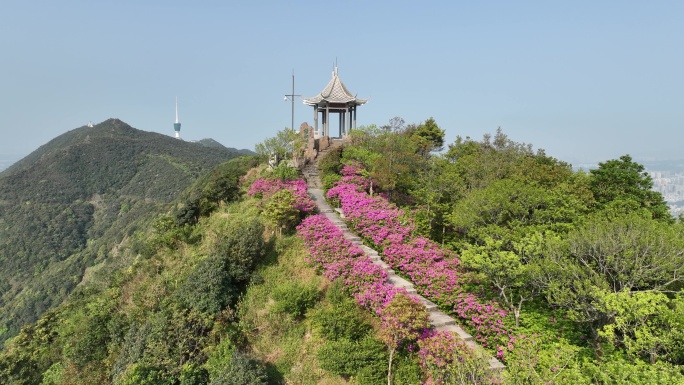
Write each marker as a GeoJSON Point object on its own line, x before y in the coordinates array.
{"type": "Point", "coordinates": [264, 188]}
{"type": "Point", "coordinates": [336, 257]}
{"type": "Point", "coordinates": [374, 218]}
{"type": "Point", "coordinates": [435, 272]}
{"type": "Point", "coordinates": [446, 359]}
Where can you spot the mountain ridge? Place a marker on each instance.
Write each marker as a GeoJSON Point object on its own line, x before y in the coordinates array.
{"type": "Point", "coordinates": [77, 197]}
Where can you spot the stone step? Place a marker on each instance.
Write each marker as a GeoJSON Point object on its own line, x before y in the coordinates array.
{"type": "Point", "coordinates": [429, 305]}
{"type": "Point", "coordinates": [455, 329]}
{"type": "Point", "coordinates": [374, 258]}
{"type": "Point", "coordinates": [369, 251]}
{"type": "Point", "coordinates": [400, 282]}
{"type": "Point", "coordinates": [496, 365]}
{"type": "Point", "coordinates": [438, 319]}
{"type": "Point", "coordinates": [390, 272]}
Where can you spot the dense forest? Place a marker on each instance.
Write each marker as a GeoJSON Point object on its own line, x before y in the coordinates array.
{"type": "Point", "coordinates": [65, 206]}
{"type": "Point", "coordinates": [565, 276]}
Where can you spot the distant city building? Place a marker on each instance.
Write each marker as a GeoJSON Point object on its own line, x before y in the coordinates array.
{"type": "Point", "coordinates": [671, 185]}
{"type": "Point", "coordinates": [177, 125]}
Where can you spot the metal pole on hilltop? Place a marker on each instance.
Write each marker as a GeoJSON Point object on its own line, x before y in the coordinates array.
{"type": "Point", "coordinates": [291, 97]}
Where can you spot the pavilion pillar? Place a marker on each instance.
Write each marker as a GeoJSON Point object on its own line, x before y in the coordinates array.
{"type": "Point", "coordinates": [344, 123]}
{"type": "Point", "coordinates": [316, 120]}
{"type": "Point", "coordinates": [323, 122]}
{"type": "Point", "coordinates": [354, 117]}
{"type": "Point", "coordinates": [327, 121]}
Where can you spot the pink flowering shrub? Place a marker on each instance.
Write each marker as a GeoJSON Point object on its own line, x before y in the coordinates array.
{"type": "Point", "coordinates": [435, 272]}
{"type": "Point", "coordinates": [442, 355]}
{"type": "Point", "coordinates": [336, 257]}
{"type": "Point", "coordinates": [352, 168]}
{"type": "Point", "coordinates": [264, 188]}
{"type": "Point", "coordinates": [373, 218]}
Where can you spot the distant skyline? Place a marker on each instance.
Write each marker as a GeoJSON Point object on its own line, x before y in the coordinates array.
{"type": "Point", "coordinates": [587, 81]}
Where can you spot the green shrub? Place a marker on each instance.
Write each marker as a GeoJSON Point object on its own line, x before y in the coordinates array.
{"type": "Point", "coordinates": [366, 358]}
{"type": "Point", "coordinates": [616, 370]}
{"type": "Point", "coordinates": [89, 342]}
{"type": "Point", "coordinates": [329, 181]}
{"type": "Point", "coordinates": [208, 288]}
{"type": "Point", "coordinates": [240, 370]}
{"type": "Point", "coordinates": [219, 357]}
{"type": "Point", "coordinates": [343, 320]}
{"type": "Point", "coordinates": [142, 374]}
{"type": "Point", "coordinates": [280, 210]}
{"type": "Point", "coordinates": [335, 293]}
{"type": "Point", "coordinates": [331, 162]}
{"type": "Point", "coordinates": [406, 370]}
{"type": "Point", "coordinates": [241, 245]}
{"type": "Point", "coordinates": [284, 172]}
{"type": "Point", "coordinates": [193, 374]}
{"type": "Point", "coordinates": [294, 298]}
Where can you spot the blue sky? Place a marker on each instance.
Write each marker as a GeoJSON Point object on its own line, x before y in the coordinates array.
{"type": "Point", "coordinates": [585, 80]}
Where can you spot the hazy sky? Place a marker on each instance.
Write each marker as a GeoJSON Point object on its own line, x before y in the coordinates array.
{"type": "Point", "coordinates": [584, 80]}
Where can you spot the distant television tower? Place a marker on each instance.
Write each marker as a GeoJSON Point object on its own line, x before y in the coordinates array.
{"type": "Point", "coordinates": [177, 125]}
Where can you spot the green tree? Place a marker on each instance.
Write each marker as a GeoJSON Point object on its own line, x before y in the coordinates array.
{"type": "Point", "coordinates": [647, 324]}
{"type": "Point", "coordinates": [625, 180]}
{"type": "Point", "coordinates": [287, 144]}
{"type": "Point", "coordinates": [509, 209]}
{"type": "Point", "coordinates": [31, 352]}
{"type": "Point", "coordinates": [605, 256]}
{"type": "Point", "coordinates": [428, 136]}
{"type": "Point", "coordinates": [142, 374]}
{"type": "Point", "coordinates": [391, 158]}
{"type": "Point", "coordinates": [280, 210]}
{"type": "Point", "coordinates": [510, 274]}
{"type": "Point", "coordinates": [435, 189]}
{"type": "Point", "coordinates": [544, 360]}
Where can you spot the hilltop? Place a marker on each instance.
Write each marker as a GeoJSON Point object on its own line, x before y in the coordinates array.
{"type": "Point", "coordinates": [209, 142]}
{"type": "Point", "coordinates": [77, 197]}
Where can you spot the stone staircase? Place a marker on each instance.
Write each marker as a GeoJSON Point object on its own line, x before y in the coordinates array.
{"type": "Point", "coordinates": [438, 319]}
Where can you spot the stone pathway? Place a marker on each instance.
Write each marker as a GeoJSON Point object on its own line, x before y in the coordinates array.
{"type": "Point", "coordinates": [439, 320]}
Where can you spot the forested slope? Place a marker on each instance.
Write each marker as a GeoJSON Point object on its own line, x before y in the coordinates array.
{"type": "Point", "coordinates": [65, 206]}
{"type": "Point", "coordinates": [569, 277]}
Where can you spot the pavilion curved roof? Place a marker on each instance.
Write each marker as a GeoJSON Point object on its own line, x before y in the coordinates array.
{"type": "Point", "coordinates": [335, 92]}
